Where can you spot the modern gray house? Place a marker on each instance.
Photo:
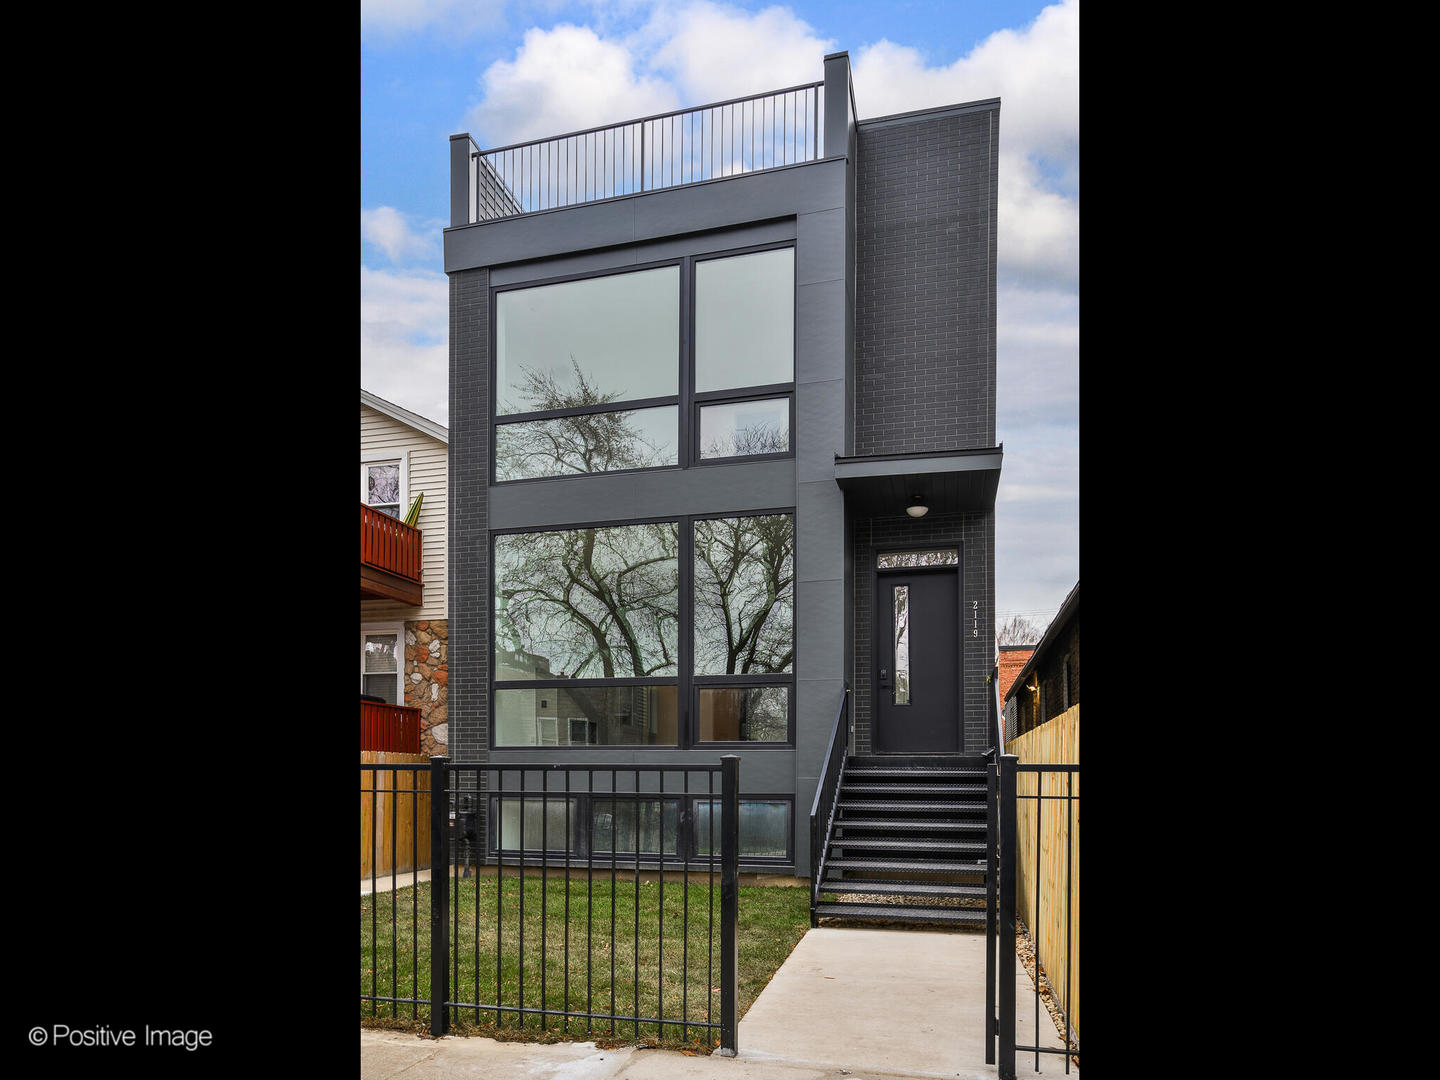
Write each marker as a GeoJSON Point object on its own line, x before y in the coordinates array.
{"type": "Point", "coordinates": [722, 459]}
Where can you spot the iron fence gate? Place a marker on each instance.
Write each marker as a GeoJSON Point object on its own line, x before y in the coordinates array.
{"type": "Point", "coordinates": [1004, 798]}
{"type": "Point", "coordinates": [574, 839]}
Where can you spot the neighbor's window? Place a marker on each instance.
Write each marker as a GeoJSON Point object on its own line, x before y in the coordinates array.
{"type": "Point", "coordinates": [380, 486]}
{"type": "Point", "coordinates": [572, 352]}
{"type": "Point", "coordinates": [380, 666]}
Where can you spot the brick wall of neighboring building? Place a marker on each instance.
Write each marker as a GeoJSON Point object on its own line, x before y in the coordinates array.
{"type": "Point", "coordinates": [469, 514]}
{"type": "Point", "coordinates": [924, 300]}
{"type": "Point", "coordinates": [1012, 659]}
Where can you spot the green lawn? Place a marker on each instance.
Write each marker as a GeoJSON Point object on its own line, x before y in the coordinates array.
{"type": "Point", "coordinates": [772, 920]}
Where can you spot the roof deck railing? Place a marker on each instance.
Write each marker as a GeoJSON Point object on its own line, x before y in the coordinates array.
{"type": "Point", "coordinates": [688, 146]}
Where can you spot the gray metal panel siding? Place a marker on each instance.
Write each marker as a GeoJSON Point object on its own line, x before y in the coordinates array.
{"type": "Point", "coordinates": [812, 198]}
{"type": "Point", "coordinates": [714, 204]}
{"type": "Point", "coordinates": [925, 297]}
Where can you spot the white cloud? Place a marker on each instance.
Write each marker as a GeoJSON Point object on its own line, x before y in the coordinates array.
{"type": "Point", "coordinates": [561, 80]}
{"type": "Point", "coordinates": [404, 353]}
{"type": "Point", "coordinates": [389, 230]}
{"type": "Point", "coordinates": [1035, 71]}
{"type": "Point", "coordinates": [1036, 74]}
{"type": "Point", "coordinates": [716, 52]}
{"type": "Point", "coordinates": [391, 19]}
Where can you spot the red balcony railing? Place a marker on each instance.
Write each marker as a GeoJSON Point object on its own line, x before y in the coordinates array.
{"type": "Point", "coordinates": [388, 544]}
{"type": "Point", "coordinates": [389, 727]}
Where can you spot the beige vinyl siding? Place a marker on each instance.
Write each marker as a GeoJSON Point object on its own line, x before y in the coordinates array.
{"type": "Point", "coordinates": [428, 472]}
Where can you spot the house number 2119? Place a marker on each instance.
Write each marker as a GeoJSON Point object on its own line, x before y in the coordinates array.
{"type": "Point", "coordinates": [975, 618]}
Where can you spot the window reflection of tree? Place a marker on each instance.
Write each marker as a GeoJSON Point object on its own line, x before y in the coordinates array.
{"type": "Point", "coordinates": [588, 443]}
{"type": "Point", "coordinates": [747, 441]}
{"type": "Point", "coordinates": [599, 603]}
{"type": "Point", "coordinates": [902, 644]}
{"type": "Point", "coordinates": [744, 574]}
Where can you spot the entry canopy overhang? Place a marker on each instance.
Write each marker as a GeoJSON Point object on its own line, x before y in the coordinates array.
{"type": "Point", "coordinates": [948, 481]}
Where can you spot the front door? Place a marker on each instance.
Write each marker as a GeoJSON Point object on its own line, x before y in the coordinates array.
{"type": "Point", "coordinates": [917, 662]}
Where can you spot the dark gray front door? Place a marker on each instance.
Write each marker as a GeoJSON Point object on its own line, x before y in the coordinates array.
{"type": "Point", "coordinates": [917, 662]}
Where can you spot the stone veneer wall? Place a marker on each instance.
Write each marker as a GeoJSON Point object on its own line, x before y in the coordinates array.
{"type": "Point", "coordinates": [427, 681]}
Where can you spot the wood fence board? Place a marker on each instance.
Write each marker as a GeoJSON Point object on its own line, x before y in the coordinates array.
{"type": "Point", "coordinates": [395, 818]}
{"type": "Point", "coordinates": [1055, 742]}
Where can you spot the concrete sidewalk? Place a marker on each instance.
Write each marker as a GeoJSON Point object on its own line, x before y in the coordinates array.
{"type": "Point", "coordinates": [857, 1003]}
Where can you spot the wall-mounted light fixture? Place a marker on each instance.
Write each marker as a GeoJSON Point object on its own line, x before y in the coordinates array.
{"type": "Point", "coordinates": [917, 507]}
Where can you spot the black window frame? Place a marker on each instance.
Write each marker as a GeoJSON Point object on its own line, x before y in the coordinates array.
{"type": "Point", "coordinates": [586, 802]}
{"type": "Point", "coordinates": [686, 681]}
{"type": "Point", "coordinates": [681, 646]}
{"type": "Point", "coordinates": [686, 401]}
{"type": "Point", "coordinates": [743, 680]}
{"type": "Point", "coordinates": [744, 393]}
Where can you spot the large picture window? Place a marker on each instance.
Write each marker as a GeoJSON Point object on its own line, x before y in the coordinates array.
{"type": "Point", "coordinates": [586, 636]}
{"type": "Point", "coordinates": [588, 371]}
{"type": "Point", "coordinates": [567, 354]}
{"type": "Point", "coordinates": [588, 624]}
{"type": "Point", "coordinates": [744, 628]}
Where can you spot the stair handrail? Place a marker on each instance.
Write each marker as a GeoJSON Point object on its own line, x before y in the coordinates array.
{"type": "Point", "coordinates": [827, 794]}
{"type": "Point", "coordinates": [997, 726]}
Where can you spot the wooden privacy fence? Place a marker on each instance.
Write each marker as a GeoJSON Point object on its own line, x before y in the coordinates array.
{"type": "Point", "coordinates": [394, 815]}
{"type": "Point", "coordinates": [1057, 836]}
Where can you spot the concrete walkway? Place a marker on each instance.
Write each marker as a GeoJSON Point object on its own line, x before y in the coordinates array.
{"type": "Point", "coordinates": [855, 1003]}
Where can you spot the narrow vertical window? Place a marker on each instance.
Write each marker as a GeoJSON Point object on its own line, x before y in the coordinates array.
{"type": "Point", "coordinates": [902, 644]}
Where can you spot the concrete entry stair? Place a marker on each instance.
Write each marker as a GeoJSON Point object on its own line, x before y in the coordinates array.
{"type": "Point", "coordinates": [909, 842]}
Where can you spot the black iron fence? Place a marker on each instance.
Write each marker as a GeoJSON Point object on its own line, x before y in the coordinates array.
{"type": "Point", "coordinates": [576, 898]}
{"type": "Point", "coordinates": [762, 131]}
{"type": "Point", "coordinates": [1051, 858]}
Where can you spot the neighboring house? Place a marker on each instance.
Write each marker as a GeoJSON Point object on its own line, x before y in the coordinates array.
{"type": "Point", "coordinates": [1049, 682]}
{"type": "Point", "coordinates": [404, 632]}
{"type": "Point", "coordinates": [1011, 659]}
{"type": "Point", "coordinates": [723, 422]}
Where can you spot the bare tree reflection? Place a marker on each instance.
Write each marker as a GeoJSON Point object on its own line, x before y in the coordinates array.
{"type": "Point", "coordinates": [744, 595]}
{"type": "Point", "coordinates": [746, 441]}
{"type": "Point", "coordinates": [591, 442]}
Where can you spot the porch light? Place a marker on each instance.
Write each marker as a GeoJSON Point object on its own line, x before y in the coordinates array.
{"type": "Point", "coordinates": [917, 507]}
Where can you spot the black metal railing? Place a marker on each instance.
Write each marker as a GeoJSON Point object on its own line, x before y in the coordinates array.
{"type": "Point", "coordinates": [687, 146]}
{"type": "Point", "coordinates": [996, 710]}
{"type": "Point", "coordinates": [1004, 779]}
{"type": "Point", "coordinates": [827, 792]}
{"type": "Point", "coordinates": [588, 831]}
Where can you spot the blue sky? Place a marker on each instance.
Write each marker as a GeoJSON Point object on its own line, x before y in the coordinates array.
{"type": "Point", "coordinates": [506, 70]}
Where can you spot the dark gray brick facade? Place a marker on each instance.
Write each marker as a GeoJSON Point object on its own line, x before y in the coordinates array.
{"type": "Point", "coordinates": [975, 535]}
{"type": "Point", "coordinates": [925, 271]}
{"type": "Point", "coordinates": [469, 514]}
